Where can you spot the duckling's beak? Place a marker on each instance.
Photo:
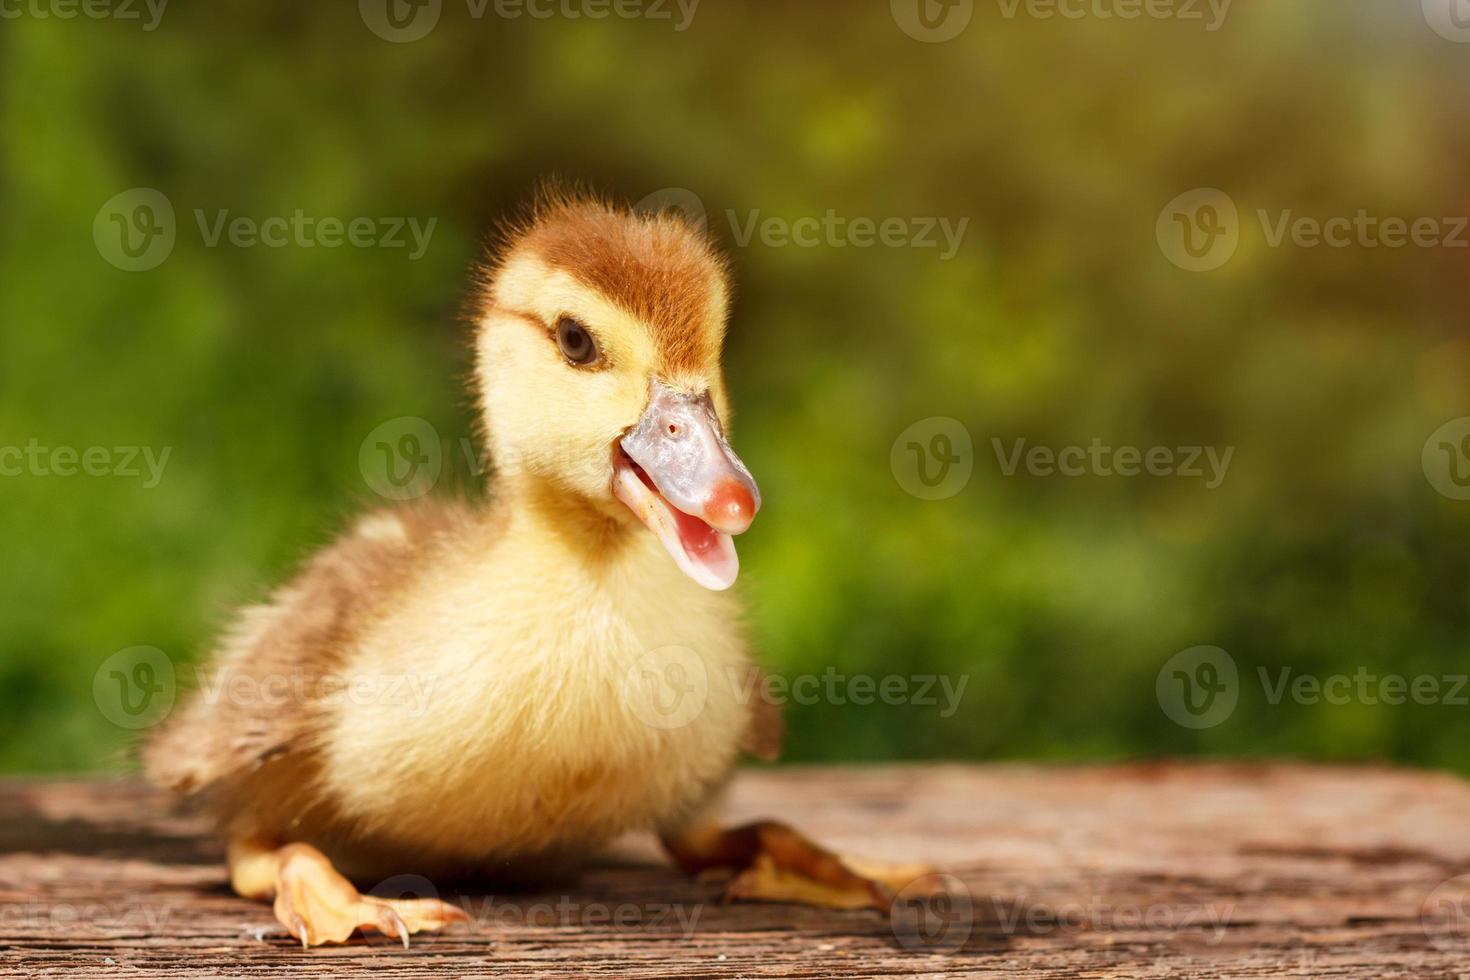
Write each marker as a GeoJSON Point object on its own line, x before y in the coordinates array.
{"type": "Point", "coordinates": [675, 470]}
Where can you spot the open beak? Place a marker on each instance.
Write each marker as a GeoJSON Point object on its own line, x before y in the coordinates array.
{"type": "Point", "coordinates": [675, 470]}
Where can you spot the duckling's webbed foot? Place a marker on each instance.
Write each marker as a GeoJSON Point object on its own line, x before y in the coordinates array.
{"type": "Point", "coordinates": [317, 905]}
{"type": "Point", "coordinates": [774, 863]}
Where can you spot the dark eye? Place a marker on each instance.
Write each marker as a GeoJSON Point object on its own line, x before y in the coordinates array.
{"type": "Point", "coordinates": [576, 344]}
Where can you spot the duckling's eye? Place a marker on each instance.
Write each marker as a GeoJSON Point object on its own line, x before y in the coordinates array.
{"type": "Point", "coordinates": [576, 343]}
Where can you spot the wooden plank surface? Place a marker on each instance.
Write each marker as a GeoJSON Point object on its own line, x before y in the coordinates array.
{"type": "Point", "coordinates": [1156, 870]}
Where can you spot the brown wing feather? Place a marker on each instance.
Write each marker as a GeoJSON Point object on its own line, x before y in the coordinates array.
{"type": "Point", "coordinates": [765, 728]}
{"type": "Point", "coordinates": [291, 643]}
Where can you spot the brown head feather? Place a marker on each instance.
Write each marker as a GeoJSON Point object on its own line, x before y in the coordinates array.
{"type": "Point", "coordinates": [657, 267]}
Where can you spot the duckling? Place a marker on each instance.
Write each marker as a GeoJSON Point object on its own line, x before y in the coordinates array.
{"type": "Point", "coordinates": [550, 624]}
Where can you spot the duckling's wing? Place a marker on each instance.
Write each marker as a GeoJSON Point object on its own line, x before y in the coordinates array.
{"type": "Point", "coordinates": [260, 697]}
{"type": "Point", "coordinates": [764, 729]}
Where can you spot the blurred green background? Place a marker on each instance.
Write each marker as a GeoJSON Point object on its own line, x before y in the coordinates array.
{"type": "Point", "coordinates": [1060, 319]}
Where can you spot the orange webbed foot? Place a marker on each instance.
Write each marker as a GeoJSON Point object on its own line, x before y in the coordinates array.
{"type": "Point", "coordinates": [317, 905]}
{"type": "Point", "coordinates": [775, 863]}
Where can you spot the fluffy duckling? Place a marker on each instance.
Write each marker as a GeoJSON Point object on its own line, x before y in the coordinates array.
{"type": "Point", "coordinates": [551, 626]}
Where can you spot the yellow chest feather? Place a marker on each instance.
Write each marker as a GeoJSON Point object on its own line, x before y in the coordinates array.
{"type": "Point", "coordinates": [543, 706]}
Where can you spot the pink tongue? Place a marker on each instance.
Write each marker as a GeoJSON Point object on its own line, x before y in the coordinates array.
{"type": "Point", "coordinates": [697, 537]}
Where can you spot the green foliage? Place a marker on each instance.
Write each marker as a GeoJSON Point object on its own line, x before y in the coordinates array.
{"type": "Point", "coordinates": [1058, 321]}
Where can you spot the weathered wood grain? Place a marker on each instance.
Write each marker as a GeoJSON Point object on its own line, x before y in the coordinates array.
{"type": "Point", "coordinates": [1159, 870]}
